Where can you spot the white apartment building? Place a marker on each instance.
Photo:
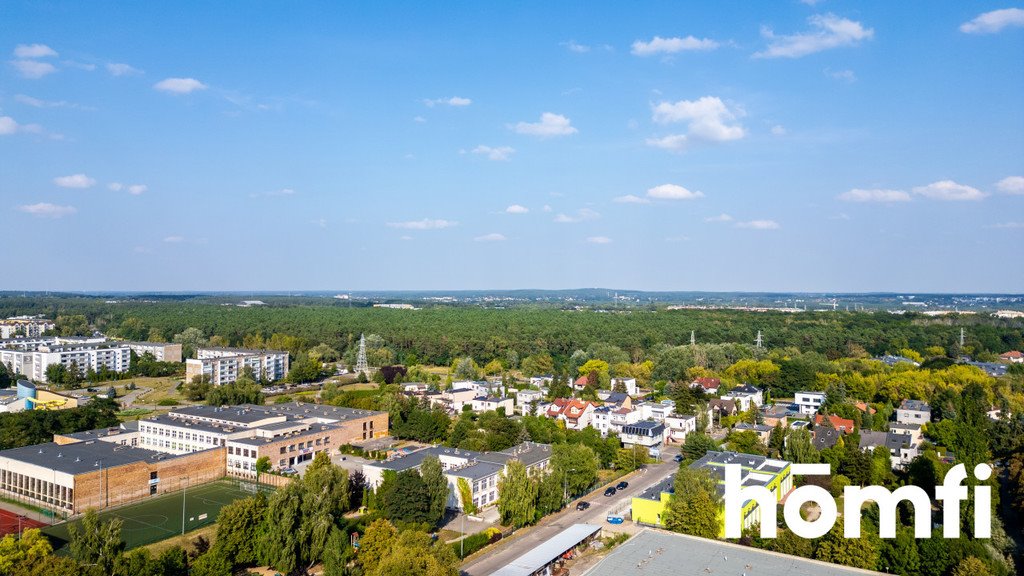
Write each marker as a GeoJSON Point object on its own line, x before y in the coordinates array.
{"type": "Point", "coordinates": [745, 395]}
{"type": "Point", "coordinates": [656, 411]}
{"type": "Point", "coordinates": [809, 402]}
{"type": "Point", "coordinates": [679, 426]}
{"type": "Point", "coordinates": [628, 383]}
{"type": "Point", "coordinates": [33, 362]}
{"type": "Point", "coordinates": [526, 398]}
{"type": "Point", "coordinates": [225, 365]}
{"type": "Point", "coordinates": [914, 412]}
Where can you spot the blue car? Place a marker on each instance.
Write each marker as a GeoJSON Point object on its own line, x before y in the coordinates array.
{"type": "Point", "coordinates": [615, 519]}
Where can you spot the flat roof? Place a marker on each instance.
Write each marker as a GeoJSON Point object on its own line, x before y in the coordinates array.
{"type": "Point", "coordinates": [477, 471]}
{"type": "Point", "coordinates": [659, 553]}
{"type": "Point", "coordinates": [83, 457]}
{"type": "Point", "coordinates": [549, 551]}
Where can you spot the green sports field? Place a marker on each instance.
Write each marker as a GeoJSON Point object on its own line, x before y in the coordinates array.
{"type": "Point", "coordinates": [161, 517]}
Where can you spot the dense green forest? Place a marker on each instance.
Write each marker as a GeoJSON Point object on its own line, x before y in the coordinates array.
{"type": "Point", "coordinates": [440, 334]}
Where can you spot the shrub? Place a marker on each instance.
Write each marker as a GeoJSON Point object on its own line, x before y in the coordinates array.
{"type": "Point", "coordinates": [167, 402]}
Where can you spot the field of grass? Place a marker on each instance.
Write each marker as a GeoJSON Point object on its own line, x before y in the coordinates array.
{"type": "Point", "coordinates": [208, 532]}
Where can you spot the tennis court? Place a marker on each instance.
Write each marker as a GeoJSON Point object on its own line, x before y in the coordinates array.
{"type": "Point", "coordinates": [167, 515]}
{"type": "Point", "coordinates": [11, 523]}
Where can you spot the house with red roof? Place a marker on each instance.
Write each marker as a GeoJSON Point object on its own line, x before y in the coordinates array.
{"type": "Point", "coordinates": [709, 385]}
{"type": "Point", "coordinates": [1014, 356]}
{"type": "Point", "coordinates": [575, 413]}
{"type": "Point", "coordinates": [843, 425]}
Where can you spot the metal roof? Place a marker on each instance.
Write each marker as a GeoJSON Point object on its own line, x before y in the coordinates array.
{"type": "Point", "coordinates": [549, 551]}
{"type": "Point", "coordinates": [659, 553]}
{"type": "Point", "coordinates": [83, 457]}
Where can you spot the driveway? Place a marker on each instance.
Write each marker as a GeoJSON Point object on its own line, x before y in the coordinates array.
{"type": "Point", "coordinates": [527, 539]}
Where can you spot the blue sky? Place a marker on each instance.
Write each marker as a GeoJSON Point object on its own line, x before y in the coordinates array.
{"type": "Point", "coordinates": [790, 146]}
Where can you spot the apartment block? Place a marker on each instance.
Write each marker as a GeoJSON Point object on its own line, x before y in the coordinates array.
{"type": "Point", "coordinates": [161, 351]}
{"type": "Point", "coordinates": [225, 365]}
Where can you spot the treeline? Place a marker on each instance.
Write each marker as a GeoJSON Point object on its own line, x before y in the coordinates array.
{"type": "Point", "coordinates": [440, 335]}
{"type": "Point", "coordinates": [36, 426]}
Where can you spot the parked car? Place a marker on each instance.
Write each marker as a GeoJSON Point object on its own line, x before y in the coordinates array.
{"type": "Point", "coordinates": [289, 470]}
{"type": "Point", "coordinates": [615, 519]}
{"type": "Point", "coordinates": [582, 505]}
{"type": "Point", "coordinates": [610, 491]}
{"type": "Point", "coordinates": [622, 485]}
{"type": "Point", "coordinates": [678, 458]}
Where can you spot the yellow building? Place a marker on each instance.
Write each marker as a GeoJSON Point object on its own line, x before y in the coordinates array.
{"type": "Point", "coordinates": [650, 506]}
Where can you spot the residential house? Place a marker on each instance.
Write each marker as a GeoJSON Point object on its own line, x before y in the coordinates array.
{"type": "Point", "coordinates": [583, 381]}
{"type": "Point", "coordinates": [902, 447]}
{"type": "Point", "coordinates": [844, 425]}
{"type": "Point", "coordinates": [621, 417]}
{"type": "Point", "coordinates": [647, 433]}
{"type": "Point", "coordinates": [487, 403]}
{"type": "Point", "coordinates": [914, 412]}
{"type": "Point", "coordinates": [720, 408]}
{"type": "Point", "coordinates": [527, 398]}
{"type": "Point", "coordinates": [542, 381]}
{"type": "Point", "coordinates": [679, 426]}
{"type": "Point", "coordinates": [825, 437]}
{"type": "Point", "coordinates": [772, 414]}
{"type": "Point", "coordinates": [914, 430]}
{"type": "Point", "coordinates": [1013, 356]}
{"type": "Point", "coordinates": [763, 431]}
{"type": "Point", "coordinates": [629, 384]}
{"type": "Point", "coordinates": [746, 395]}
{"type": "Point", "coordinates": [709, 385]}
{"type": "Point", "coordinates": [892, 360]}
{"type": "Point", "coordinates": [618, 399]}
{"type": "Point", "coordinates": [575, 413]}
{"type": "Point", "coordinates": [656, 411]}
{"type": "Point", "coordinates": [809, 402]}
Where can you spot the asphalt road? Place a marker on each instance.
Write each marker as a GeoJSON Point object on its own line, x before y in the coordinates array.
{"type": "Point", "coordinates": [527, 539]}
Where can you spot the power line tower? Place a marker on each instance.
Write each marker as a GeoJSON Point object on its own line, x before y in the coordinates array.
{"type": "Point", "coordinates": [759, 342]}
{"type": "Point", "coordinates": [361, 365]}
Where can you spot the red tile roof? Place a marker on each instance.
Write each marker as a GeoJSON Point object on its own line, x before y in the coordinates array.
{"type": "Point", "coordinates": [1012, 354]}
{"type": "Point", "coordinates": [707, 383]}
{"type": "Point", "coordinates": [841, 424]}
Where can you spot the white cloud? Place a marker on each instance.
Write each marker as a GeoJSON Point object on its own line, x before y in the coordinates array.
{"type": "Point", "coordinates": [425, 224]}
{"type": "Point", "coordinates": [847, 76]}
{"type": "Point", "coordinates": [581, 215]}
{"type": "Point", "coordinates": [547, 208]}
{"type": "Point", "coordinates": [828, 31]}
{"type": "Point", "coordinates": [631, 199]}
{"type": "Point", "coordinates": [7, 125]}
{"type": "Point", "coordinates": [720, 218]}
{"type": "Point", "coordinates": [1011, 185]}
{"type": "Point", "coordinates": [949, 190]}
{"type": "Point", "coordinates": [599, 240]}
{"type": "Point", "coordinates": [419, 119]}
{"type": "Point", "coordinates": [1008, 225]}
{"type": "Point", "coordinates": [47, 210]}
{"type": "Point", "coordinates": [778, 130]}
{"type": "Point", "coordinates": [673, 192]}
{"type": "Point", "coordinates": [492, 237]}
{"type": "Point", "coordinates": [706, 120]}
{"type": "Point", "coordinates": [550, 125]}
{"type": "Point", "coordinates": [34, 51]}
{"type": "Point", "coordinates": [759, 225]}
{"type": "Point", "coordinates": [994, 21]}
{"type": "Point", "coordinates": [137, 189]}
{"type": "Point", "coordinates": [499, 153]}
{"type": "Point", "coordinates": [659, 45]}
{"type": "Point", "coordinates": [179, 85]}
{"type": "Point", "coordinates": [874, 195]}
{"type": "Point", "coordinates": [74, 181]}
{"type": "Point", "coordinates": [572, 46]}
{"type": "Point", "coordinates": [37, 103]}
{"type": "Point", "coordinates": [33, 68]}
{"type": "Point", "coordinates": [670, 142]}
{"type": "Point", "coordinates": [174, 239]}
{"type": "Point", "coordinates": [405, 238]}
{"type": "Point", "coordinates": [115, 186]}
{"type": "Point", "coordinates": [117, 69]}
{"type": "Point", "coordinates": [453, 101]}
{"type": "Point", "coordinates": [517, 209]}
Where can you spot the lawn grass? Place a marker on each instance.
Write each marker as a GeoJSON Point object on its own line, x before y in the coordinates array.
{"type": "Point", "coordinates": [208, 532]}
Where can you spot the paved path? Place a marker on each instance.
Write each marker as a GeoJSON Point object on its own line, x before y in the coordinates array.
{"type": "Point", "coordinates": [505, 551]}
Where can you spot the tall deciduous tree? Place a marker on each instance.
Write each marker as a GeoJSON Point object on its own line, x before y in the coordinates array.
{"type": "Point", "coordinates": [577, 463]}
{"type": "Point", "coordinates": [694, 505]}
{"type": "Point", "coordinates": [517, 495]}
{"type": "Point", "coordinates": [437, 487]}
{"type": "Point", "coordinates": [96, 542]}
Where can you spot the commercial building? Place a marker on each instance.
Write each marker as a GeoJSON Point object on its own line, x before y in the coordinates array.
{"type": "Point", "coordinates": [649, 507]}
{"type": "Point", "coordinates": [479, 470]}
{"type": "Point", "coordinates": [659, 553]}
{"type": "Point", "coordinates": [224, 365]}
